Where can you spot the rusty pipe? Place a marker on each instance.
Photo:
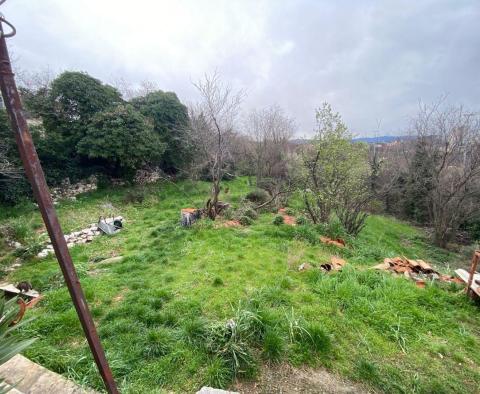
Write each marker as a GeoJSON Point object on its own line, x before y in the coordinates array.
{"type": "Point", "coordinates": [35, 175]}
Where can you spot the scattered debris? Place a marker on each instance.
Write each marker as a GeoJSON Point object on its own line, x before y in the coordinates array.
{"type": "Point", "coordinates": [304, 267]}
{"type": "Point", "coordinates": [335, 264]}
{"type": "Point", "coordinates": [329, 241]}
{"type": "Point", "coordinates": [87, 234]}
{"type": "Point", "coordinates": [420, 283]}
{"type": "Point", "coordinates": [23, 306]}
{"type": "Point", "coordinates": [417, 270]}
{"type": "Point", "coordinates": [232, 223]}
{"type": "Point", "coordinates": [148, 175]}
{"type": "Point", "coordinates": [287, 219]}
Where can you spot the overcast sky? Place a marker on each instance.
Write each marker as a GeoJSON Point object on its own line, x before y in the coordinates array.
{"type": "Point", "coordinates": [372, 60]}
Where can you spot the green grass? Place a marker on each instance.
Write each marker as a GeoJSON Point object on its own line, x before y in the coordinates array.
{"type": "Point", "coordinates": [165, 312]}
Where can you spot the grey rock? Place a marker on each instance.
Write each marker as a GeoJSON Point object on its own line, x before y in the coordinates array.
{"type": "Point", "coordinates": [210, 390]}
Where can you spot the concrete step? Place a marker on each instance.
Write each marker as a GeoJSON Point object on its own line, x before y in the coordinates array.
{"type": "Point", "coordinates": [28, 377]}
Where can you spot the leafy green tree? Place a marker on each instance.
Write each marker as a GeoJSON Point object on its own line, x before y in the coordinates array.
{"type": "Point", "coordinates": [122, 139]}
{"type": "Point", "coordinates": [336, 173]}
{"type": "Point", "coordinates": [419, 183]}
{"type": "Point", "coordinates": [73, 100]}
{"type": "Point", "coordinates": [170, 122]}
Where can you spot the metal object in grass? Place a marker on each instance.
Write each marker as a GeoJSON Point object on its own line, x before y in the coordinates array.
{"type": "Point", "coordinates": [109, 228]}
{"type": "Point", "coordinates": [35, 175]}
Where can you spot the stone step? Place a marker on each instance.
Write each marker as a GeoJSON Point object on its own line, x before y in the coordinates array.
{"type": "Point", "coordinates": [28, 377]}
{"type": "Point", "coordinates": [211, 390]}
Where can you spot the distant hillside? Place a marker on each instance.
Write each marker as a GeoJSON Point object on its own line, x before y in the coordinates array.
{"type": "Point", "coordinates": [384, 139]}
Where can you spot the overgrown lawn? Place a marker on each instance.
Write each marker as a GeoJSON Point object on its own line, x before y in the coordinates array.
{"type": "Point", "coordinates": [199, 306]}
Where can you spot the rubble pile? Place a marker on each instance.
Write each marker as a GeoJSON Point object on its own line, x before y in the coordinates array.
{"type": "Point", "coordinates": [417, 270]}
{"type": "Point", "coordinates": [149, 175]}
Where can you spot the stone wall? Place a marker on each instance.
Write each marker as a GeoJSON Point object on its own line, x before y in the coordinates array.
{"type": "Point", "coordinates": [79, 237]}
{"type": "Point", "coordinates": [68, 190]}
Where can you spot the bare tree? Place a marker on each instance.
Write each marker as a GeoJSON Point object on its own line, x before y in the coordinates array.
{"type": "Point", "coordinates": [213, 128]}
{"type": "Point", "coordinates": [270, 130]}
{"type": "Point", "coordinates": [445, 166]}
{"type": "Point", "coordinates": [130, 90]}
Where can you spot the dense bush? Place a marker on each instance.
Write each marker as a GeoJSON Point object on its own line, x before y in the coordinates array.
{"type": "Point", "coordinates": [245, 221]}
{"type": "Point", "coordinates": [122, 139]}
{"type": "Point", "coordinates": [73, 100]}
{"type": "Point", "coordinates": [278, 220]}
{"type": "Point", "coordinates": [13, 183]}
{"type": "Point", "coordinates": [251, 213]}
{"type": "Point", "coordinates": [258, 196]}
{"type": "Point", "coordinates": [170, 122]}
{"type": "Point", "coordinates": [301, 220]}
{"type": "Point", "coordinates": [87, 129]}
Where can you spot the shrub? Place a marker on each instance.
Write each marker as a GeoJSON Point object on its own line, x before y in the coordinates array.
{"type": "Point", "coordinates": [134, 196]}
{"type": "Point", "coordinates": [217, 282]}
{"type": "Point", "coordinates": [273, 346]}
{"type": "Point", "coordinates": [306, 233]}
{"type": "Point", "coordinates": [122, 138]}
{"type": "Point", "coordinates": [14, 190]}
{"type": "Point", "coordinates": [159, 343]}
{"type": "Point", "coordinates": [218, 374]}
{"type": "Point", "coordinates": [301, 220]}
{"type": "Point", "coordinates": [228, 214]}
{"type": "Point", "coordinates": [251, 213]}
{"type": "Point", "coordinates": [229, 341]}
{"type": "Point", "coordinates": [245, 221]}
{"type": "Point", "coordinates": [278, 220]}
{"type": "Point", "coordinates": [195, 330]}
{"type": "Point", "coordinates": [290, 211]}
{"type": "Point", "coordinates": [31, 249]}
{"type": "Point", "coordinates": [258, 196]}
{"type": "Point", "coordinates": [318, 339]}
{"type": "Point", "coordinates": [333, 228]}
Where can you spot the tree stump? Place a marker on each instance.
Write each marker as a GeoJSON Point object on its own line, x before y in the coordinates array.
{"type": "Point", "coordinates": [189, 216]}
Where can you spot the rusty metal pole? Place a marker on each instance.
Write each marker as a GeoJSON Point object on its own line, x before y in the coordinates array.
{"type": "Point", "coordinates": [473, 269]}
{"type": "Point", "coordinates": [35, 175]}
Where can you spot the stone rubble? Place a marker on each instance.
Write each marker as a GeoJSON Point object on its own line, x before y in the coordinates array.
{"type": "Point", "coordinates": [69, 191]}
{"type": "Point", "coordinates": [148, 175]}
{"type": "Point", "coordinates": [79, 237]}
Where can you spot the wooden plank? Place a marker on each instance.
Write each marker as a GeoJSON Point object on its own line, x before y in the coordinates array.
{"type": "Point", "coordinates": [464, 275]}
{"type": "Point", "coordinates": [10, 288]}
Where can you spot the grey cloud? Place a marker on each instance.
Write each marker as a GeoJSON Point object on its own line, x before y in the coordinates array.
{"type": "Point", "coordinates": [371, 60]}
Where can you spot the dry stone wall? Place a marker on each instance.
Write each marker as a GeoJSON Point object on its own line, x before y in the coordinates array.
{"type": "Point", "coordinates": [79, 237]}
